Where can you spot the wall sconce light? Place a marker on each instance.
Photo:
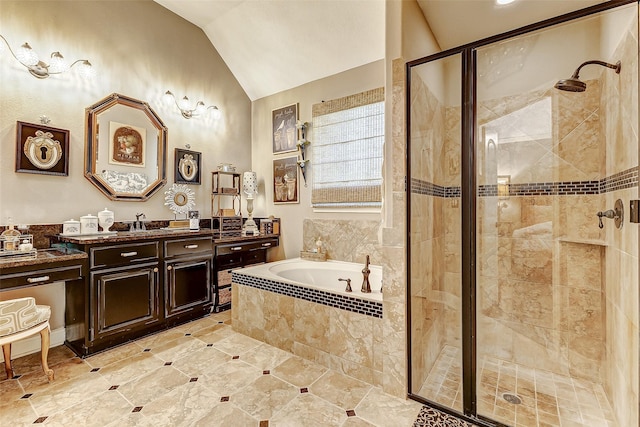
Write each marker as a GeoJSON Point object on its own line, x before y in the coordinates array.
{"type": "Point", "coordinates": [26, 56]}
{"type": "Point", "coordinates": [187, 112]}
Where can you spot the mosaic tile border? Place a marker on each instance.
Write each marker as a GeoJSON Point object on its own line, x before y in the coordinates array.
{"type": "Point", "coordinates": [355, 305]}
{"type": "Point", "coordinates": [619, 181]}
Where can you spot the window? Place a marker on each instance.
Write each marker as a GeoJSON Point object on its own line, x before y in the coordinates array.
{"type": "Point", "coordinates": [348, 143]}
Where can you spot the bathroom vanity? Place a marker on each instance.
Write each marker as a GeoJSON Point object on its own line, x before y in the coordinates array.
{"type": "Point", "coordinates": [139, 283]}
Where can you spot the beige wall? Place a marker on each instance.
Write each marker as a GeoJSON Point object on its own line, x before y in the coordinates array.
{"type": "Point", "coordinates": [138, 49]}
{"type": "Point", "coordinates": [353, 81]}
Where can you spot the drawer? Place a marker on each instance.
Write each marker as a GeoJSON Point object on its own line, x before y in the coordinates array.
{"type": "Point", "coordinates": [40, 276]}
{"type": "Point", "coordinates": [188, 246]}
{"type": "Point", "coordinates": [113, 256]}
{"type": "Point", "coordinates": [228, 260]}
{"type": "Point", "coordinates": [254, 257]}
{"type": "Point", "coordinates": [229, 248]}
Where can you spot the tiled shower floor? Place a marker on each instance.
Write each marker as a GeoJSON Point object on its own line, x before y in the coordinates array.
{"type": "Point", "coordinates": [198, 374]}
{"type": "Point", "coordinates": [547, 399]}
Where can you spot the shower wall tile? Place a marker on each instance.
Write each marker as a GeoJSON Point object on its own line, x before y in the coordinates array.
{"type": "Point", "coordinates": [582, 151]}
{"type": "Point", "coordinates": [344, 240]}
{"type": "Point", "coordinates": [398, 131]}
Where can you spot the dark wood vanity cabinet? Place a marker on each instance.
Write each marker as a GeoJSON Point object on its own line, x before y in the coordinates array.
{"type": "Point", "coordinates": [188, 265]}
{"type": "Point", "coordinates": [231, 256]}
{"type": "Point", "coordinates": [138, 287]}
{"type": "Point", "coordinates": [139, 284]}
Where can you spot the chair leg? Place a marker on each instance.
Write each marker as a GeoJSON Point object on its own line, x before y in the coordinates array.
{"type": "Point", "coordinates": [45, 339]}
{"type": "Point", "coordinates": [6, 351]}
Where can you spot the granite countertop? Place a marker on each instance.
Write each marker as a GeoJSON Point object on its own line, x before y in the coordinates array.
{"type": "Point", "coordinates": [127, 236]}
{"type": "Point", "coordinates": [44, 257]}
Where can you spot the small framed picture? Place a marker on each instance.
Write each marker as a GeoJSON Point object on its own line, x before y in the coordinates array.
{"type": "Point", "coordinates": [128, 144]}
{"type": "Point", "coordinates": [285, 132]}
{"type": "Point", "coordinates": [187, 167]}
{"type": "Point", "coordinates": [286, 185]}
{"type": "Point", "coordinates": [42, 149]}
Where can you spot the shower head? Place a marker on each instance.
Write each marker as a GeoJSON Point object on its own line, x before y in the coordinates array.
{"type": "Point", "coordinates": [574, 84]}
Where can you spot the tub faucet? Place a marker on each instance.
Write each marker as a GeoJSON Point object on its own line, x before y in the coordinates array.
{"type": "Point", "coordinates": [366, 287]}
{"type": "Point", "coordinates": [348, 289]}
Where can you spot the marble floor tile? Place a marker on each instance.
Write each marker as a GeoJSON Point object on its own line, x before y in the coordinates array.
{"type": "Point", "coordinates": [216, 377]}
{"type": "Point", "coordinates": [235, 344]}
{"type": "Point", "coordinates": [63, 395]}
{"type": "Point", "coordinates": [153, 385]}
{"type": "Point", "coordinates": [130, 368]}
{"type": "Point", "coordinates": [376, 406]}
{"type": "Point", "coordinates": [231, 376]}
{"type": "Point", "coordinates": [341, 390]}
{"type": "Point", "coordinates": [114, 355]}
{"type": "Point", "coordinates": [201, 361]}
{"type": "Point", "coordinates": [265, 356]}
{"type": "Point", "coordinates": [265, 396]}
{"type": "Point", "coordinates": [96, 411]}
{"type": "Point", "coordinates": [299, 372]}
{"type": "Point", "coordinates": [307, 410]}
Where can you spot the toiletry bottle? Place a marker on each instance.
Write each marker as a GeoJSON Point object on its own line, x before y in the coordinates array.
{"type": "Point", "coordinates": [11, 237]}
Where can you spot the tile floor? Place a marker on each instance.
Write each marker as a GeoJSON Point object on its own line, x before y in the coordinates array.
{"type": "Point", "coordinates": [547, 399]}
{"type": "Point", "coordinates": [198, 374]}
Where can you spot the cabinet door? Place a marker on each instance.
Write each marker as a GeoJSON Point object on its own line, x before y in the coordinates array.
{"type": "Point", "coordinates": [125, 299]}
{"type": "Point", "coordinates": [187, 285]}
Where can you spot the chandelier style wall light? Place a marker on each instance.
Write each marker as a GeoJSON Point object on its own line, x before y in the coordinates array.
{"type": "Point", "coordinates": [184, 105]}
{"type": "Point", "coordinates": [26, 56]}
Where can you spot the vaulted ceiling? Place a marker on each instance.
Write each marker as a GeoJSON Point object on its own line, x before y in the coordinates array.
{"type": "Point", "coordinates": [274, 45]}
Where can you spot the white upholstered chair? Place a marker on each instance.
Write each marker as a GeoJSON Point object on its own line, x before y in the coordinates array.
{"type": "Point", "coordinates": [19, 319]}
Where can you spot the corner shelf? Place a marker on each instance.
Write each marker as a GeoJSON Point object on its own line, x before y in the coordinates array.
{"type": "Point", "coordinates": [226, 216]}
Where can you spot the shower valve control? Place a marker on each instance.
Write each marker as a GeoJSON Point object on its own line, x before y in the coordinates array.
{"type": "Point", "coordinates": [617, 214]}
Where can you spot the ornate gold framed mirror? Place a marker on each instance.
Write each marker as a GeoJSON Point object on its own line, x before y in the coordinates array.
{"type": "Point", "coordinates": [125, 148]}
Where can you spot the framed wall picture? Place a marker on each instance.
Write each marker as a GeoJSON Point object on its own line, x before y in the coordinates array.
{"type": "Point", "coordinates": [285, 133]}
{"type": "Point", "coordinates": [286, 185]}
{"type": "Point", "coordinates": [42, 149]}
{"type": "Point", "coordinates": [127, 144]}
{"type": "Point", "coordinates": [187, 167]}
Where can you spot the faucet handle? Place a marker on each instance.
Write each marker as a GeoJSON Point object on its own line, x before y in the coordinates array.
{"type": "Point", "coordinates": [348, 289]}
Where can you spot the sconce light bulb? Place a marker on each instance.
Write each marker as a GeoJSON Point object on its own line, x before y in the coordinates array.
{"type": "Point", "coordinates": [86, 70]}
{"type": "Point", "coordinates": [216, 112]}
{"type": "Point", "coordinates": [26, 55]}
{"type": "Point", "coordinates": [200, 108]}
{"type": "Point", "coordinates": [184, 103]}
{"type": "Point", "coordinates": [168, 97]}
{"type": "Point", "coordinates": [57, 64]}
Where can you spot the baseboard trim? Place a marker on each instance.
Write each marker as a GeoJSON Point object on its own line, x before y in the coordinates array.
{"type": "Point", "coordinates": [32, 344]}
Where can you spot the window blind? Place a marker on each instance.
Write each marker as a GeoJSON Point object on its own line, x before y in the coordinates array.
{"type": "Point", "coordinates": [347, 149]}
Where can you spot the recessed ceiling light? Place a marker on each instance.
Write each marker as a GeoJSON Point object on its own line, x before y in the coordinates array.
{"type": "Point", "coordinates": [502, 2]}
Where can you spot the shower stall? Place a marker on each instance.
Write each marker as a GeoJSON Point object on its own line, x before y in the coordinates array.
{"type": "Point", "coordinates": [523, 268]}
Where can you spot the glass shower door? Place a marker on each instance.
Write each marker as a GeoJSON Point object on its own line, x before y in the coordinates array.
{"type": "Point", "coordinates": [549, 279]}
{"type": "Point", "coordinates": [434, 232]}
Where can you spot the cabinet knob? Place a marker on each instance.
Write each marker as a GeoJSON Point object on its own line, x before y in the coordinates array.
{"type": "Point", "coordinates": [155, 269]}
{"type": "Point", "coordinates": [169, 268]}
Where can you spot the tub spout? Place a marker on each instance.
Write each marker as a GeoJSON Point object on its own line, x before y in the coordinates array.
{"type": "Point", "coordinates": [366, 286]}
{"type": "Point", "coordinates": [348, 289]}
